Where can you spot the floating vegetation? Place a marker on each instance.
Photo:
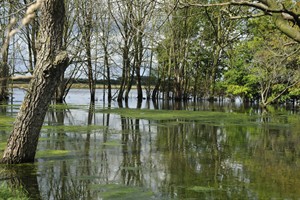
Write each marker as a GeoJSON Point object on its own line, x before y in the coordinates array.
{"type": "Point", "coordinates": [7, 192]}
{"type": "Point", "coordinates": [202, 189]}
{"type": "Point", "coordinates": [6, 123]}
{"type": "Point", "coordinates": [75, 129]}
{"type": "Point", "coordinates": [51, 153]}
{"type": "Point", "coordinates": [66, 106]}
{"type": "Point", "coordinates": [116, 191]}
{"type": "Point", "coordinates": [208, 117]}
{"type": "Point", "coordinates": [112, 143]}
{"type": "Point", "coordinates": [2, 146]}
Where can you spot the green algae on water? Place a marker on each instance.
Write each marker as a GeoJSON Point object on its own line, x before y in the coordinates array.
{"type": "Point", "coordinates": [51, 153]}
{"type": "Point", "coordinates": [6, 123]}
{"type": "Point", "coordinates": [74, 129]}
{"type": "Point", "coordinates": [121, 192]}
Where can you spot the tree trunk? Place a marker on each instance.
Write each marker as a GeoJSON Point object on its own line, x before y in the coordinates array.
{"type": "Point", "coordinates": [51, 63]}
{"type": "Point", "coordinates": [60, 91]}
{"type": "Point", "coordinates": [216, 57]}
{"type": "Point", "coordinates": [108, 78]}
{"type": "Point", "coordinates": [125, 71]}
{"type": "Point", "coordinates": [4, 68]}
{"type": "Point", "coordinates": [87, 33]}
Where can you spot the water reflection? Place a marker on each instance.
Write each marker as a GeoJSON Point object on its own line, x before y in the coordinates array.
{"type": "Point", "coordinates": [116, 157]}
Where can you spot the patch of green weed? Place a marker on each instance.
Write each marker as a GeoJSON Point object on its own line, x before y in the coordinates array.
{"type": "Point", "coordinates": [2, 146]}
{"type": "Point", "coordinates": [214, 118]}
{"type": "Point", "coordinates": [202, 189]}
{"type": "Point", "coordinates": [74, 129]}
{"type": "Point", "coordinates": [116, 191]}
{"type": "Point", "coordinates": [51, 153]}
{"type": "Point", "coordinates": [7, 192]}
{"type": "Point", "coordinates": [112, 143]}
{"type": "Point", "coordinates": [66, 106]}
{"type": "Point", "coordinates": [6, 123]}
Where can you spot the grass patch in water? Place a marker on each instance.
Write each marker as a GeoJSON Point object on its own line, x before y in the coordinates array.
{"type": "Point", "coordinates": [7, 192]}
{"type": "Point", "coordinates": [75, 129]}
{"type": "Point", "coordinates": [121, 192]}
{"type": "Point", "coordinates": [6, 123]}
{"type": "Point", "coordinates": [66, 106]}
{"type": "Point", "coordinates": [112, 143]}
{"type": "Point", "coordinates": [2, 146]}
{"type": "Point", "coordinates": [51, 153]}
{"type": "Point", "coordinates": [202, 189]}
{"type": "Point", "coordinates": [214, 118]}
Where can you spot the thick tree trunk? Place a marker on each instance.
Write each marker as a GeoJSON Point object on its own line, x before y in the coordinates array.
{"type": "Point", "coordinates": [51, 63]}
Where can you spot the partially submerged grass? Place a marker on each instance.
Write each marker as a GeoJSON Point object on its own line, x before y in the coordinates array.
{"type": "Point", "coordinates": [205, 117]}
{"type": "Point", "coordinates": [66, 106]}
{"type": "Point", "coordinates": [51, 153]}
{"type": "Point", "coordinates": [183, 115]}
{"type": "Point", "coordinates": [6, 123]}
{"type": "Point", "coordinates": [75, 129]}
{"type": "Point", "coordinates": [7, 192]}
{"type": "Point", "coordinates": [122, 192]}
{"type": "Point", "coordinates": [2, 146]}
{"type": "Point", "coordinates": [202, 189]}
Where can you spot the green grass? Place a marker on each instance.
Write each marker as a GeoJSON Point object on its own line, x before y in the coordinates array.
{"type": "Point", "coordinates": [8, 193]}
{"type": "Point", "coordinates": [202, 189]}
{"type": "Point", "coordinates": [121, 192]}
{"type": "Point", "coordinates": [74, 129]}
{"type": "Point", "coordinates": [51, 153]}
{"type": "Point", "coordinates": [182, 115]}
{"type": "Point", "coordinates": [6, 123]}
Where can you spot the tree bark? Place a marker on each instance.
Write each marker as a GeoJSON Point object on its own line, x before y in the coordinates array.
{"type": "Point", "coordinates": [51, 64]}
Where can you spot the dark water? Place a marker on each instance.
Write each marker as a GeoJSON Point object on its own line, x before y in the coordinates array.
{"type": "Point", "coordinates": [85, 153]}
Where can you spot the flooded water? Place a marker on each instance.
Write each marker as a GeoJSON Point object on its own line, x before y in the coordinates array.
{"type": "Point", "coordinates": [205, 151]}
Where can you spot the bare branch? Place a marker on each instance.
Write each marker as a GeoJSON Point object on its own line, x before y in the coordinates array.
{"type": "Point", "coordinates": [259, 6]}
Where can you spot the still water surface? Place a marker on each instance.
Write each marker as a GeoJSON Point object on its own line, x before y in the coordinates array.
{"type": "Point", "coordinates": [88, 153]}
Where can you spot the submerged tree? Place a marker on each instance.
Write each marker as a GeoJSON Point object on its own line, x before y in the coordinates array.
{"type": "Point", "coordinates": [51, 63]}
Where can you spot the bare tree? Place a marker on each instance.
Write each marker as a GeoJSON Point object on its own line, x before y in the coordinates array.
{"type": "Point", "coordinates": [105, 33]}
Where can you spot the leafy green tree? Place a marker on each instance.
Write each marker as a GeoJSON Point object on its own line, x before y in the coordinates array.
{"type": "Point", "coordinates": [238, 80]}
{"type": "Point", "coordinates": [274, 63]}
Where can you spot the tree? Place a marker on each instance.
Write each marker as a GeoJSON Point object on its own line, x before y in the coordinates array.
{"type": "Point", "coordinates": [105, 31]}
{"type": "Point", "coordinates": [284, 14]}
{"type": "Point", "coordinates": [51, 63]}
{"type": "Point", "coordinates": [4, 68]}
{"type": "Point", "coordinates": [121, 12]}
{"type": "Point", "coordinates": [274, 69]}
{"type": "Point", "coordinates": [173, 50]}
{"type": "Point", "coordinates": [86, 27]}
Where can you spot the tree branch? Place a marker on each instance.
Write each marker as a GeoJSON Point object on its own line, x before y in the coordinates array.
{"type": "Point", "coordinates": [279, 13]}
